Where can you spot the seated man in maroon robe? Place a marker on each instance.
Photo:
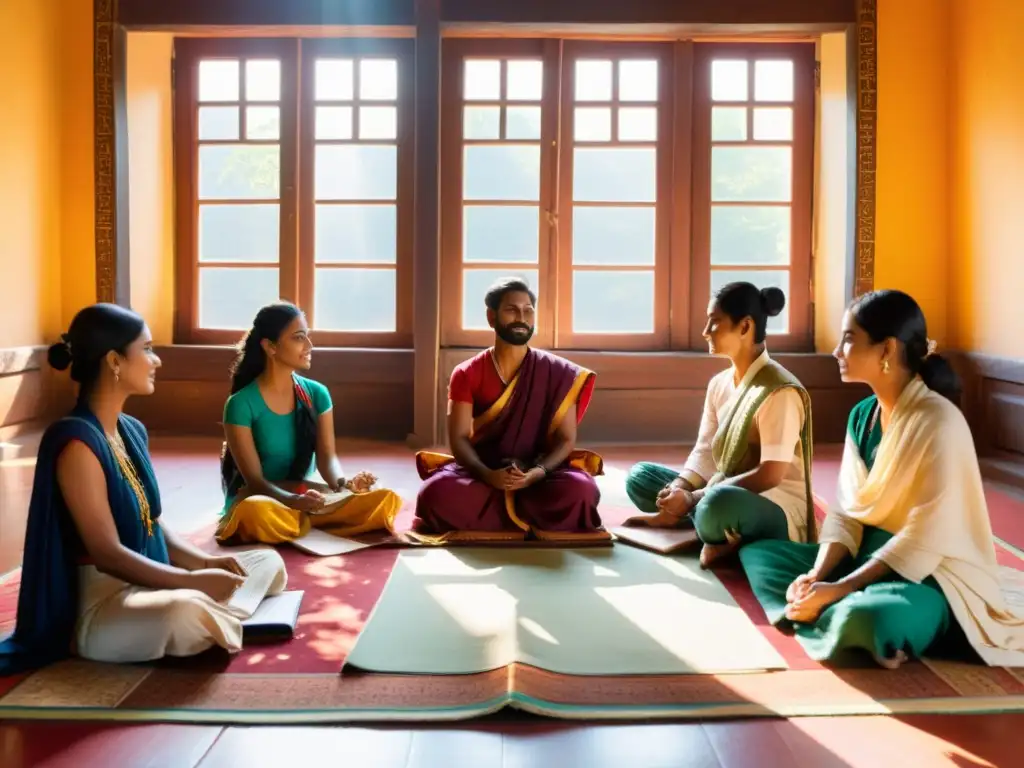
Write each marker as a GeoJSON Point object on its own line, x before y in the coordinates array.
{"type": "Point", "coordinates": [512, 417]}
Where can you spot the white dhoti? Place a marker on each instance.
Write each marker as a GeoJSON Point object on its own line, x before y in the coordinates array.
{"type": "Point", "coordinates": [123, 623]}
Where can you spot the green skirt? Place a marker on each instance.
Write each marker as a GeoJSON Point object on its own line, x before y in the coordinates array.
{"type": "Point", "coordinates": [881, 619]}
{"type": "Point", "coordinates": [723, 508]}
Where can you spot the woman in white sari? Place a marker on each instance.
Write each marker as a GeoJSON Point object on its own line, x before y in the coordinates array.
{"type": "Point", "coordinates": [907, 560]}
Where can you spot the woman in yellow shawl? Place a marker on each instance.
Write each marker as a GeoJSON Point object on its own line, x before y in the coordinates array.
{"type": "Point", "coordinates": [749, 475]}
{"type": "Point", "coordinates": [907, 560]}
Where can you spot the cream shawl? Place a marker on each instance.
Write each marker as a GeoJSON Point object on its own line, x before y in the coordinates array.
{"type": "Point", "coordinates": [925, 488]}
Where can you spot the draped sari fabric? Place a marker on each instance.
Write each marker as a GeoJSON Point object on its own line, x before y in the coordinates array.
{"type": "Point", "coordinates": [925, 489]}
{"type": "Point", "coordinates": [518, 428]}
{"type": "Point", "coordinates": [49, 596]}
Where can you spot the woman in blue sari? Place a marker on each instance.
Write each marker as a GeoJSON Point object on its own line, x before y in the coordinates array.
{"type": "Point", "coordinates": [102, 577]}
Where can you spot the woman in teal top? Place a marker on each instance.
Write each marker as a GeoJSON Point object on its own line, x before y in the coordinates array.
{"type": "Point", "coordinates": [279, 428]}
{"type": "Point", "coordinates": [834, 602]}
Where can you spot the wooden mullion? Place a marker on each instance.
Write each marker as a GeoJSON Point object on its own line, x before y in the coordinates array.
{"type": "Point", "coordinates": [700, 153]}
{"type": "Point", "coordinates": [307, 191]}
{"type": "Point", "coordinates": [680, 268]}
{"type": "Point", "coordinates": [289, 148]}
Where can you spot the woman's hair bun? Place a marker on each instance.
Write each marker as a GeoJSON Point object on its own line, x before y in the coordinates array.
{"type": "Point", "coordinates": [59, 355]}
{"type": "Point", "coordinates": [773, 300]}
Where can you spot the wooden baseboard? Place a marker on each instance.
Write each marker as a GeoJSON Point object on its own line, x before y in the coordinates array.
{"type": "Point", "coordinates": [371, 390]}
{"type": "Point", "coordinates": [993, 403]}
{"type": "Point", "coordinates": [27, 388]}
{"type": "Point", "coordinates": [658, 397]}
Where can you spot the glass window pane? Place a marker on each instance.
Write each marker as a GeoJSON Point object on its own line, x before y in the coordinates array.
{"type": "Point", "coordinates": [508, 172]}
{"type": "Point", "coordinates": [500, 233]}
{"type": "Point", "coordinates": [356, 172]}
{"type": "Point", "coordinates": [475, 283]}
{"type": "Point", "coordinates": [483, 80]}
{"type": "Point", "coordinates": [593, 80]}
{"type": "Point", "coordinates": [728, 123]}
{"type": "Point", "coordinates": [592, 124]}
{"type": "Point", "coordinates": [728, 80]}
{"type": "Point", "coordinates": [751, 174]}
{"type": "Point", "coordinates": [773, 81]}
{"type": "Point", "coordinates": [638, 123]}
{"type": "Point", "coordinates": [263, 123]}
{"type": "Point", "coordinates": [334, 122]}
{"type": "Point", "coordinates": [356, 233]}
{"type": "Point", "coordinates": [481, 122]}
{"type": "Point", "coordinates": [773, 123]}
{"type": "Point", "coordinates": [263, 80]}
{"type": "Point", "coordinates": [622, 174]}
{"type": "Point", "coordinates": [378, 80]}
{"type": "Point", "coordinates": [524, 80]}
{"type": "Point", "coordinates": [638, 80]}
{"type": "Point", "coordinates": [378, 122]}
{"type": "Point", "coordinates": [229, 298]}
{"type": "Point", "coordinates": [762, 279]}
{"type": "Point", "coordinates": [334, 79]}
{"type": "Point", "coordinates": [239, 172]}
{"type": "Point", "coordinates": [612, 302]}
{"type": "Point", "coordinates": [609, 236]}
{"type": "Point", "coordinates": [752, 235]}
{"type": "Point", "coordinates": [522, 123]}
{"type": "Point", "coordinates": [356, 300]}
{"type": "Point", "coordinates": [218, 80]}
{"type": "Point", "coordinates": [239, 232]}
{"type": "Point", "coordinates": [218, 123]}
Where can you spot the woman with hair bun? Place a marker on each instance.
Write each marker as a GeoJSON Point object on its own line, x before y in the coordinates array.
{"type": "Point", "coordinates": [907, 561]}
{"type": "Point", "coordinates": [749, 475]}
{"type": "Point", "coordinates": [279, 427]}
{"type": "Point", "coordinates": [102, 577]}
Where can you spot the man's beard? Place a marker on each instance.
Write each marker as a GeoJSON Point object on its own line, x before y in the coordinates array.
{"type": "Point", "coordinates": [513, 333]}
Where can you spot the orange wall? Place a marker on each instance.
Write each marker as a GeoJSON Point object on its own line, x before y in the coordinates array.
{"type": "Point", "coordinates": [78, 252]}
{"type": "Point", "coordinates": [151, 180]}
{"type": "Point", "coordinates": [986, 302]}
{"type": "Point", "coordinates": [30, 201]}
{"type": "Point", "coordinates": [912, 234]}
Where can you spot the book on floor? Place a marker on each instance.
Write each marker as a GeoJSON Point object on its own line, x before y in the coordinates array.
{"type": "Point", "coordinates": [261, 569]}
{"type": "Point", "coordinates": [275, 618]}
{"type": "Point", "coordinates": [665, 541]}
{"type": "Point", "coordinates": [323, 544]}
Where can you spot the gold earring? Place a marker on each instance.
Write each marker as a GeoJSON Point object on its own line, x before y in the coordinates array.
{"type": "Point", "coordinates": [885, 366]}
{"type": "Point", "coordinates": [117, 375]}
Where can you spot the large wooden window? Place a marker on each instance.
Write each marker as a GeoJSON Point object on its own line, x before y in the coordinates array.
{"type": "Point", "coordinates": [753, 127]}
{"type": "Point", "coordinates": [626, 181]}
{"type": "Point", "coordinates": [294, 175]}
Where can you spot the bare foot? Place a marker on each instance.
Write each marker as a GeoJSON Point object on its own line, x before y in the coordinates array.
{"type": "Point", "coordinates": [660, 519]}
{"type": "Point", "coordinates": [711, 553]}
{"type": "Point", "coordinates": [894, 663]}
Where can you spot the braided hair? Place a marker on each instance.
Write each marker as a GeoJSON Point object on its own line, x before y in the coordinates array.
{"type": "Point", "coordinates": [270, 322]}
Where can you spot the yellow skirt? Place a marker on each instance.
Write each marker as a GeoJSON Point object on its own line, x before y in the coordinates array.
{"type": "Point", "coordinates": [268, 521]}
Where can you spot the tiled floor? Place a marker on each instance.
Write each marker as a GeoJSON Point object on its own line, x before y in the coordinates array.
{"type": "Point", "coordinates": [187, 469]}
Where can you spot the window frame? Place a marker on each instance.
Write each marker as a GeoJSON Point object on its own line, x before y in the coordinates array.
{"type": "Point", "coordinates": [662, 52]}
{"type": "Point", "coordinates": [188, 52]}
{"type": "Point", "coordinates": [454, 51]}
{"type": "Point", "coordinates": [402, 50]}
{"type": "Point", "coordinates": [297, 207]}
{"type": "Point", "coordinates": [799, 338]}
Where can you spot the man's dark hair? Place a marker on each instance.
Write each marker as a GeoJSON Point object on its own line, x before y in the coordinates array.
{"type": "Point", "coordinates": [497, 291]}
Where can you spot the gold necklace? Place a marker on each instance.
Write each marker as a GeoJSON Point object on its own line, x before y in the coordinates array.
{"type": "Point", "coordinates": [128, 472]}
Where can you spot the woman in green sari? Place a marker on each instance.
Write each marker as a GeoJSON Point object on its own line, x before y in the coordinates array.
{"type": "Point", "coordinates": [748, 476]}
{"type": "Point", "coordinates": [907, 559]}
